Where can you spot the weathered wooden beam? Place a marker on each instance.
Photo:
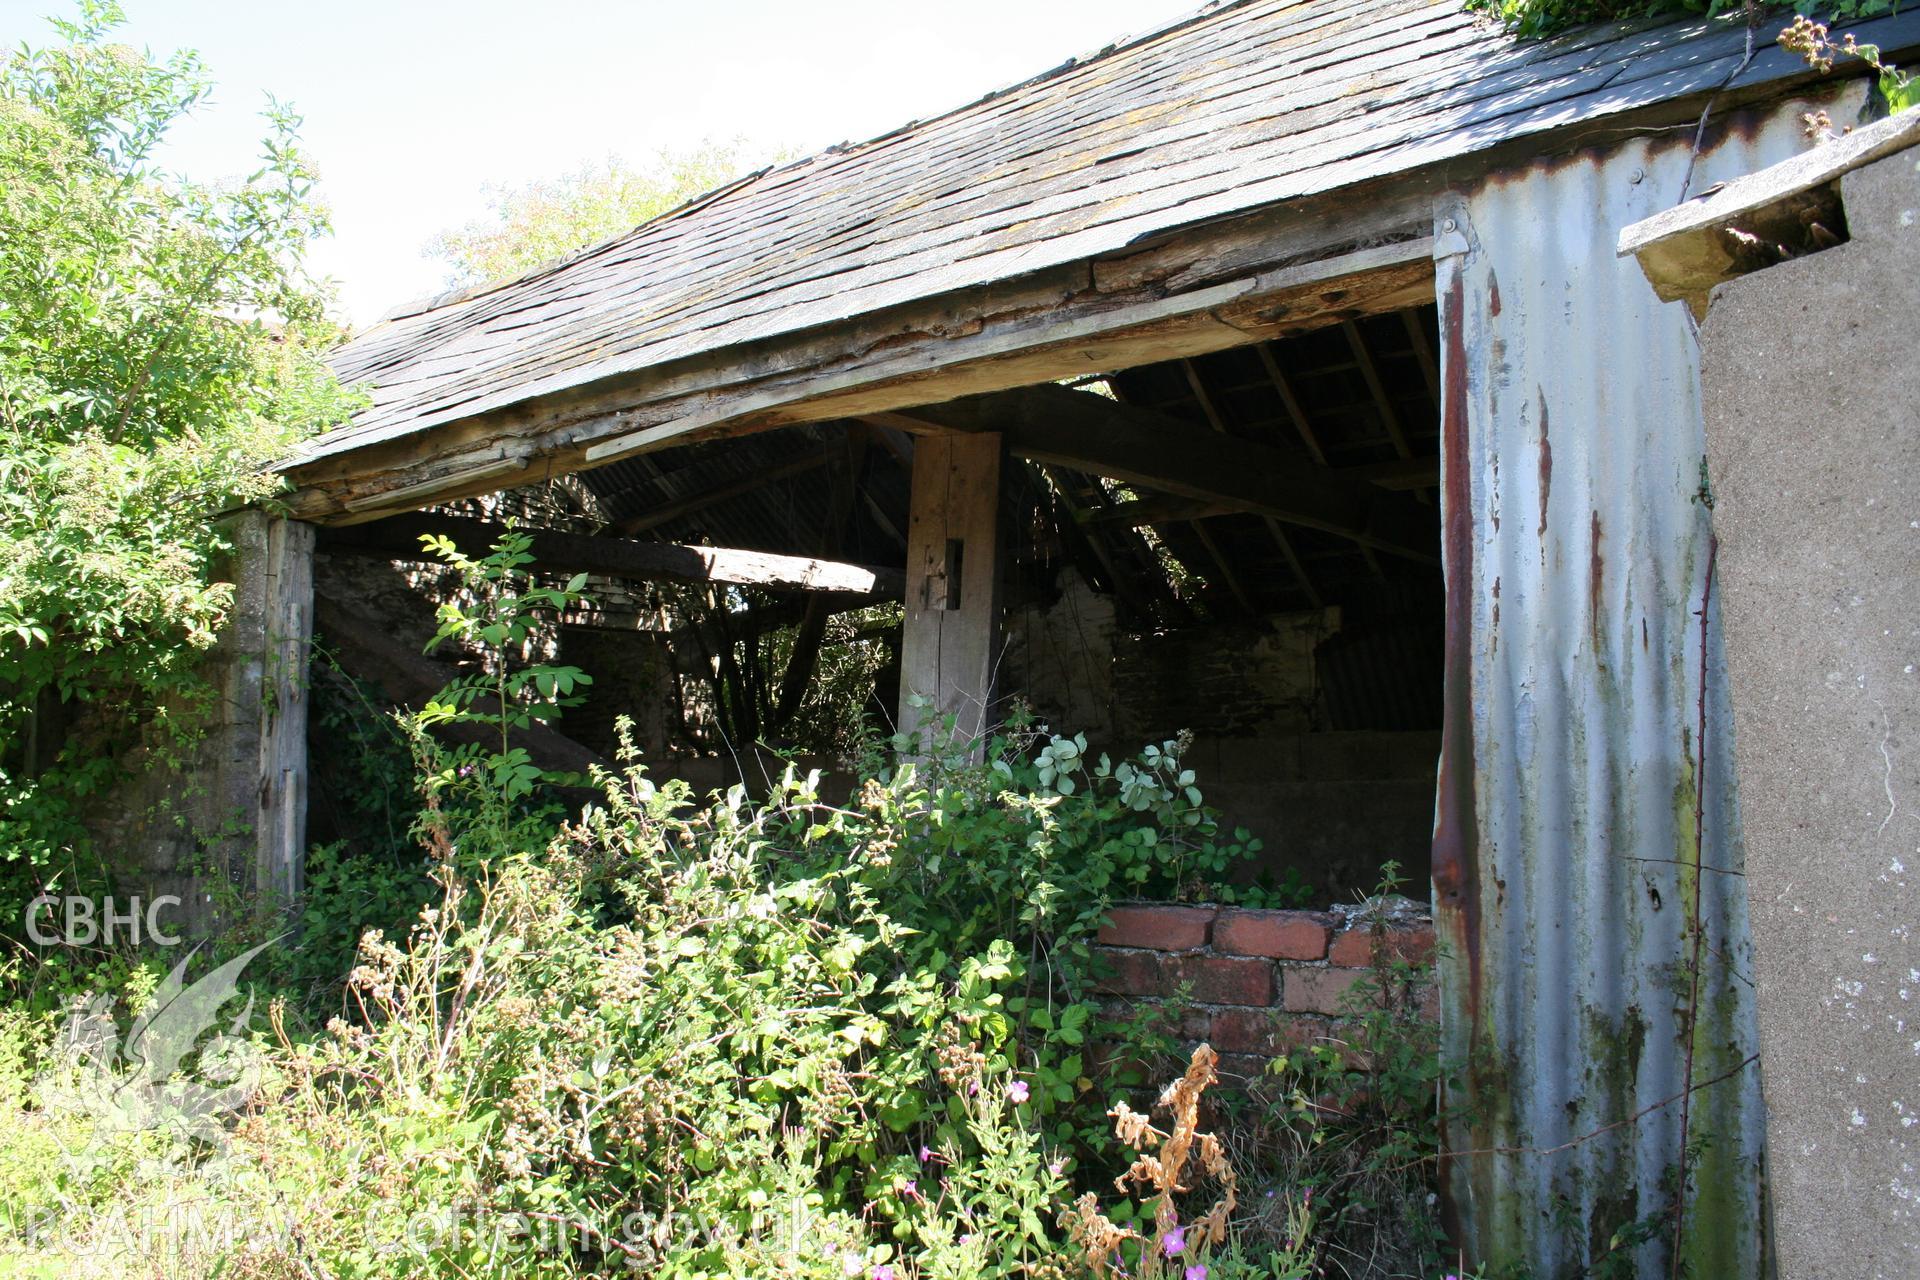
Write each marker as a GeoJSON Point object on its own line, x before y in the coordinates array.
{"type": "Point", "coordinates": [1052, 325]}
{"type": "Point", "coordinates": [398, 538]}
{"type": "Point", "coordinates": [1089, 432]}
{"type": "Point", "coordinates": [1161, 508]}
{"type": "Point", "coordinates": [1398, 475]}
{"type": "Point", "coordinates": [950, 645]}
{"type": "Point", "coordinates": [1686, 250]}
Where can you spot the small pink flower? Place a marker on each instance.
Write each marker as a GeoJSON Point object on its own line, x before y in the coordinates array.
{"type": "Point", "coordinates": [1018, 1091]}
{"type": "Point", "coordinates": [1174, 1243]}
{"type": "Point", "coordinates": [850, 1264]}
{"type": "Point", "coordinates": [925, 1153]}
{"type": "Point", "coordinates": [883, 1272]}
{"type": "Point", "coordinates": [912, 1190]}
{"type": "Point", "coordinates": [1057, 1167]}
{"type": "Point", "coordinates": [1198, 1271]}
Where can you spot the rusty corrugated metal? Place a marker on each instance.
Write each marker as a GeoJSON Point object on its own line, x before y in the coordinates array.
{"type": "Point", "coordinates": [1577, 550]}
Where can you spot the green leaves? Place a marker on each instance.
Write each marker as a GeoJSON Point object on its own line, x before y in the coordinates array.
{"type": "Point", "coordinates": [160, 343]}
{"type": "Point", "coordinates": [490, 793]}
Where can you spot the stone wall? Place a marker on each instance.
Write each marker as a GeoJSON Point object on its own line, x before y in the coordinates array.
{"type": "Point", "coordinates": [1255, 984]}
{"type": "Point", "coordinates": [224, 830]}
{"type": "Point", "coordinates": [1330, 806]}
{"type": "Point", "coordinates": [1811, 389]}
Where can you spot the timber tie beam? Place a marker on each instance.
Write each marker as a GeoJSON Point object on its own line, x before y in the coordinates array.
{"type": "Point", "coordinates": [1059, 426]}
{"type": "Point", "coordinates": [399, 538]}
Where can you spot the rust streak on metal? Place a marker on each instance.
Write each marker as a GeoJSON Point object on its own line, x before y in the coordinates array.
{"type": "Point", "coordinates": [1596, 571]}
{"type": "Point", "coordinates": [1546, 461]}
{"type": "Point", "coordinates": [1455, 869]}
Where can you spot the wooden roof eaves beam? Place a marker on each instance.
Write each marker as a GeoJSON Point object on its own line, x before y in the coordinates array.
{"type": "Point", "coordinates": [1138, 446]}
{"type": "Point", "coordinates": [1063, 323]}
{"type": "Point", "coordinates": [398, 538]}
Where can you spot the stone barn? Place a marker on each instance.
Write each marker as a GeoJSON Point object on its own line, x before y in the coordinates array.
{"type": "Point", "coordinates": [1270, 376]}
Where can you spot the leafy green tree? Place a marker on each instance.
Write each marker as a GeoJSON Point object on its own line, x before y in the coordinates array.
{"type": "Point", "coordinates": [160, 342]}
{"type": "Point", "coordinates": [533, 225]}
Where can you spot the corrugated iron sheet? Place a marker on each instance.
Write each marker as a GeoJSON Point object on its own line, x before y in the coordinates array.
{"type": "Point", "coordinates": [1577, 554]}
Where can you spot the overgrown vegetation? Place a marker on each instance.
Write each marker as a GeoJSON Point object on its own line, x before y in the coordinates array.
{"type": "Point", "coordinates": [159, 341]}
{"type": "Point", "coordinates": [683, 1038]}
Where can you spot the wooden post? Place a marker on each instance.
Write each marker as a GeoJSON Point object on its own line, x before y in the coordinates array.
{"type": "Point", "coordinates": [951, 643]}
{"type": "Point", "coordinates": [280, 819]}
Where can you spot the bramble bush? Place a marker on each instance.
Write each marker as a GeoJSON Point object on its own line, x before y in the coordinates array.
{"type": "Point", "coordinates": [705, 1039]}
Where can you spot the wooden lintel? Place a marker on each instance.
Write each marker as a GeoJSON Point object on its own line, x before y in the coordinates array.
{"type": "Point", "coordinates": [398, 538]}
{"type": "Point", "coordinates": [1686, 250]}
{"type": "Point", "coordinates": [1002, 337]}
{"type": "Point", "coordinates": [1143, 447]}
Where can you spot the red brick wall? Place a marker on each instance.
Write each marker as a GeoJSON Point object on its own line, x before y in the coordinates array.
{"type": "Point", "coordinates": [1257, 983]}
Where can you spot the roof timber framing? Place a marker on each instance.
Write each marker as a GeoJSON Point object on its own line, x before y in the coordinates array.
{"type": "Point", "coordinates": [477, 400]}
{"type": "Point", "coordinates": [1143, 447]}
{"type": "Point", "coordinates": [1063, 323]}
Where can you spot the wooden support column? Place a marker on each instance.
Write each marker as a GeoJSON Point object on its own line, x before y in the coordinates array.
{"type": "Point", "coordinates": [280, 818]}
{"type": "Point", "coordinates": [951, 643]}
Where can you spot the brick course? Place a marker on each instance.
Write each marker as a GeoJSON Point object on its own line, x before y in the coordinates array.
{"type": "Point", "coordinates": [1161, 928]}
{"type": "Point", "coordinates": [1257, 983]}
{"type": "Point", "coordinates": [1354, 948]}
{"type": "Point", "coordinates": [1278, 935]}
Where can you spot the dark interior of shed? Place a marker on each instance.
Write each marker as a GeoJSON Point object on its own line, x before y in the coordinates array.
{"type": "Point", "coordinates": [1305, 662]}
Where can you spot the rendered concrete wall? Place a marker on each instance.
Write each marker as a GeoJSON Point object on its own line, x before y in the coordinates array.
{"type": "Point", "coordinates": [1811, 382]}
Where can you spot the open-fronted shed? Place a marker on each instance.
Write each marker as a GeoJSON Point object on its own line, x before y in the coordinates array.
{"type": "Point", "coordinates": [1279, 309]}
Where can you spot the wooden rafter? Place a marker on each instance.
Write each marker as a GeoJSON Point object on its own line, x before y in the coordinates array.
{"type": "Point", "coordinates": [1295, 414]}
{"type": "Point", "coordinates": [711, 497]}
{"type": "Point", "coordinates": [1088, 432]}
{"type": "Point", "coordinates": [1274, 530]}
{"type": "Point", "coordinates": [1389, 417]}
{"type": "Point", "coordinates": [1422, 351]}
{"type": "Point", "coordinates": [398, 538]}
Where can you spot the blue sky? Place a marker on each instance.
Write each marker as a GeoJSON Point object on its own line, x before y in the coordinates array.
{"type": "Point", "coordinates": [413, 106]}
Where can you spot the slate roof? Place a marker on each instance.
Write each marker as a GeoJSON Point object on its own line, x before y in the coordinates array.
{"type": "Point", "coordinates": [1238, 107]}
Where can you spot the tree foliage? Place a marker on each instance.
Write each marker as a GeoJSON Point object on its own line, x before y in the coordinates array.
{"type": "Point", "coordinates": [159, 342]}
{"type": "Point", "coordinates": [536, 224]}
